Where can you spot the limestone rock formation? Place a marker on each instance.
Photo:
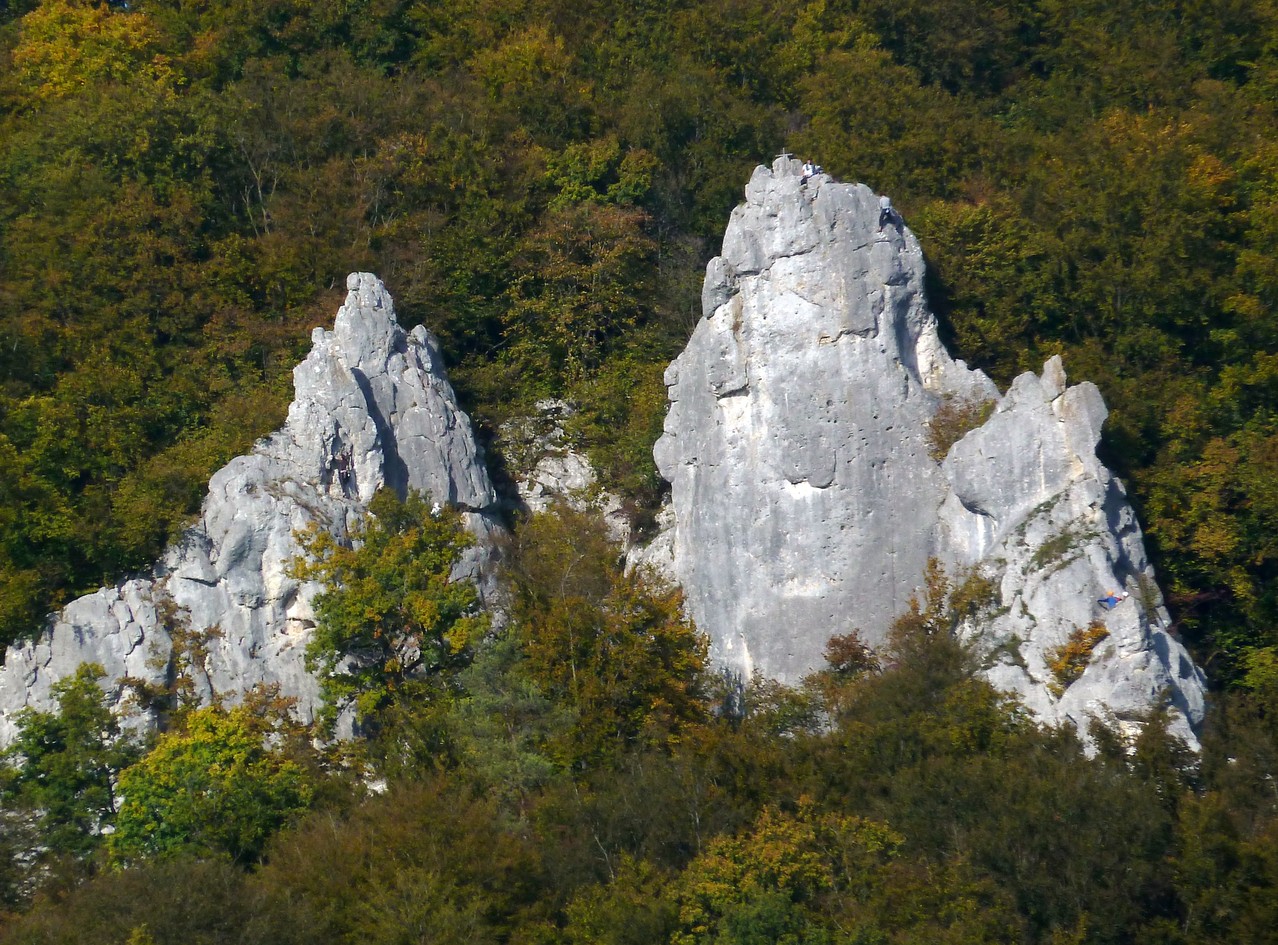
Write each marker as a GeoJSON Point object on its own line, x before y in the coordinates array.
{"type": "Point", "coordinates": [372, 407]}
{"type": "Point", "coordinates": [813, 479]}
{"type": "Point", "coordinates": [550, 471]}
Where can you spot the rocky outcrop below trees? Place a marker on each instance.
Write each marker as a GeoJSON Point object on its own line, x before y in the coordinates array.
{"type": "Point", "coordinates": [548, 472]}
{"type": "Point", "coordinates": [372, 408]}
{"type": "Point", "coordinates": [822, 447]}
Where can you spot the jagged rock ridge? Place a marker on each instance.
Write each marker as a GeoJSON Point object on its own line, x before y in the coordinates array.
{"type": "Point", "coordinates": [372, 407]}
{"type": "Point", "coordinates": [806, 499]}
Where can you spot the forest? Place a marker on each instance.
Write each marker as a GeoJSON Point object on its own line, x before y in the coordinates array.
{"type": "Point", "coordinates": [184, 185]}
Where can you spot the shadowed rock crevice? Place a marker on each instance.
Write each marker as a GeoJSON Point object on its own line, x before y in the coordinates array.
{"type": "Point", "coordinates": [394, 470]}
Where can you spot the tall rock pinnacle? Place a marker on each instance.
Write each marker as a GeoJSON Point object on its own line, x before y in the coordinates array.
{"type": "Point", "coordinates": [372, 407]}
{"type": "Point", "coordinates": [811, 482]}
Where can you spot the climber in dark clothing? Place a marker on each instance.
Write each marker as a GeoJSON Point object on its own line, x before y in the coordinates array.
{"type": "Point", "coordinates": [887, 213]}
{"type": "Point", "coordinates": [344, 469]}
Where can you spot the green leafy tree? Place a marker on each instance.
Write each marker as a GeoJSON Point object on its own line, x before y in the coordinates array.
{"type": "Point", "coordinates": [529, 73]}
{"type": "Point", "coordinates": [857, 101]}
{"type": "Point", "coordinates": [991, 277]}
{"type": "Point", "coordinates": [960, 44]}
{"type": "Point", "coordinates": [196, 902]}
{"type": "Point", "coordinates": [392, 618]}
{"type": "Point", "coordinates": [763, 885]}
{"type": "Point", "coordinates": [576, 292]}
{"type": "Point", "coordinates": [62, 767]}
{"type": "Point", "coordinates": [428, 861]}
{"type": "Point", "coordinates": [622, 410]}
{"type": "Point", "coordinates": [217, 786]}
{"type": "Point", "coordinates": [634, 909]}
{"type": "Point", "coordinates": [612, 646]}
{"type": "Point", "coordinates": [502, 725]}
{"type": "Point", "coordinates": [930, 747]}
{"type": "Point", "coordinates": [1226, 863]}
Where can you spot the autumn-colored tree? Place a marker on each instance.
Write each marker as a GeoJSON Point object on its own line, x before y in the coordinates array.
{"type": "Point", "coordinates": [612, 646]}
{"type": "Point", "coordinates": [66, 46]}
{"type": "Point", "coordinates": [765, 885]}
{"type": "Point", "coordinates": [633, 909]}
{"type": "Point", "coordinates": [393, 615]}
{"type": "Point", "coordinates": [183, 186]}
{"type": "Point", "coordinates": [428, 860]}
{"type": "Point", "coordinates": [174, 900]}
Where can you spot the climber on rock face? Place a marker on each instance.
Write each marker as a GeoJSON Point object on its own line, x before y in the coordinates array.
{"type": "Point", "coordinates": [1112, 599]}
{"type": "Point", "coordinates": [887, 213]}
{"type": "Point", "coordinates": [344, 469]}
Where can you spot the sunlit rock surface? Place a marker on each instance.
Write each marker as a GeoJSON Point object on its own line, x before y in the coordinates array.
{"type": "Point", "coordinates": [372, 407]}
{"type": "Point", "coordinates": [807, 500]}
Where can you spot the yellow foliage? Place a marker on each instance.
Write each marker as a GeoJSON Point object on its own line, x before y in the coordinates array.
{"type": "Point", "coordinates": [797, 855]}
{"type": "Point", "coordinates": [65, 46]}
{"type": "Point", "coordinates": [1068, 662]}
{"type": "Point", "coordinates": [1209, 172]}
{"type": "Point", "coordinates": [1215, 539]}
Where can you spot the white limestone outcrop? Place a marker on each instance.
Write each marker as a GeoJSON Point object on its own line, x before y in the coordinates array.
{"type": "Point", "coordinates": [806, 500]}
{"type": "Point", "coordinates": [372, 407]}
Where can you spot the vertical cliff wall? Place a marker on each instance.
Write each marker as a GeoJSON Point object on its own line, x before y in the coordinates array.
{"type": "Point", "coordinates": [372, 407]}
{"type": "Point", "coordinates": [809, 491]}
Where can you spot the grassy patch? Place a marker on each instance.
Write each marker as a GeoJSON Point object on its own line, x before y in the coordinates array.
{"type": "Point", "coordinates": [953, 420]}
{"type": "Point", "coordinates": [1061, 548]}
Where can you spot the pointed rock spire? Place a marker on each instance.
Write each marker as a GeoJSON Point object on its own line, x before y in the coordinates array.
{"type": "Point", "coordinates": [372, 407]}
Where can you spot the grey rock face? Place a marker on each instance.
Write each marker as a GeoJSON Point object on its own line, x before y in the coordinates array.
{"type": "Point", "coordinates": [806, 499]}
{"type": "Point", "coordinates": [552, 472]}
{"type": "Point", "coordinates": [372, 407]}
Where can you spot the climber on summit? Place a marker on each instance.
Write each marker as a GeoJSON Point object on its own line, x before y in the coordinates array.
{"type": "Point", "coordinates": [1112, 599]}
{"type": "Point", "coordinates": [809, 169]}
{"type": "Point", "coordinates": [887, 213]}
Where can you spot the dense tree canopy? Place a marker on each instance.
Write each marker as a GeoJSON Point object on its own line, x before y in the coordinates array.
{"type": "Point", "coordinates": [183, 187]}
